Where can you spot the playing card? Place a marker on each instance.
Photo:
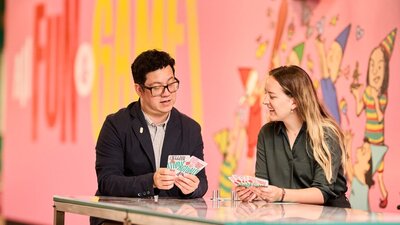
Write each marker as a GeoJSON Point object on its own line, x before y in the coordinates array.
{"type": "Point", "coordinates": [261, 182]}
{"type": "Point", "coordinates": [175, 162]}
{"type": "Point", "coordinates": [193, 165]}
{"type": "Point", "coordinates": [185, 164]}
{"type": "Point", "coordinates": [247, 181]}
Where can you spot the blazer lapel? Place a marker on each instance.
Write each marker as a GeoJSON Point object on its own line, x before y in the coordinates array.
{"type": "Point", "coordinates": [172, 135]}
{"type": "Point", "coordinates": [142, 133]}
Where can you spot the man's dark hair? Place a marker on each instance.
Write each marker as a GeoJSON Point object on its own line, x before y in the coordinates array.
{"type": "Point", "coordinates": [149, 61]}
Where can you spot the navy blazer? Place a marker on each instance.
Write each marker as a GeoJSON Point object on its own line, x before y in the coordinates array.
{"type": "Point", "coordinates": [125, 162]}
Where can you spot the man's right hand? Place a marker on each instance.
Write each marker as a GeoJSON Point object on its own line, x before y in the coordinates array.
{"type": "Point", "coordinates": [164, 178]}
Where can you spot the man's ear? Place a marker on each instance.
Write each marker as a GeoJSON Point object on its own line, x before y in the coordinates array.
{"type": "Point", "coordinates": [139, 90]}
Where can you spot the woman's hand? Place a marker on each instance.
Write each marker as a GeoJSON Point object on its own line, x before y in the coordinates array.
{"type": "Point", "coordinates": [269, 194]}
{"type": "Point", "coordinates": [245, 194]}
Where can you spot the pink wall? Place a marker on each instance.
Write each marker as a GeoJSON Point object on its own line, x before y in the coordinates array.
{"type": "Point", "coordinates": [62, 79]}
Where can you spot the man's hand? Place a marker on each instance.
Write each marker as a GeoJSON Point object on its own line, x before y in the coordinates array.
{"type": "Point", "coordinates": [164, 179]}
{"type": "Point", "coordinates": [188, 183]}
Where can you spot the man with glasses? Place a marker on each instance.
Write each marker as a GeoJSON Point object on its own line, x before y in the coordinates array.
{"type": "Point", "coordinates": [134, 143]}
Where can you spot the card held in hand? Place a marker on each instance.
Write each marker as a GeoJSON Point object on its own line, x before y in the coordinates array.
{"type": "Point", "coordinates": [185, 164]}
{"type": "Point", "coordinates": [248, 181]}
{"type": "Point", "coordinates": [175, 162]}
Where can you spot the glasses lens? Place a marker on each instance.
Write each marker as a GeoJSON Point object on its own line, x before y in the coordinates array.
{"type": "Point", "coordinates": [173, 87]}
{"type": "Point", "coordinates": [157, 91]}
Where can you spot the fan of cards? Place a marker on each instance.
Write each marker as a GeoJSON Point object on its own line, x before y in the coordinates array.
{"type": "Point", "coordinates": [185, 164]}
{"type": "Point", "coordinates": [248, 181]}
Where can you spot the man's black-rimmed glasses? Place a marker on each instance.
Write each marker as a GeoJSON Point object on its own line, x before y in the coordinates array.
{"type": "Point", "coordinates": [159, 89]}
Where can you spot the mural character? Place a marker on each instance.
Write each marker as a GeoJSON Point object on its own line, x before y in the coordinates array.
{"type": "Point", "coordinates": [330, 67]}
{"type": "Point", "coordinates": [230, 144]}
{"type": "Point", "coordinates": [251, 99]}
{"type": "Point", "coordinates": [360, 173]}
{"type": "Point", "coordinates": [374, 101]}
{"type": "Point", "coordinates": [296, 55]}
{"type": "Point", "coordinates": [294, 58]}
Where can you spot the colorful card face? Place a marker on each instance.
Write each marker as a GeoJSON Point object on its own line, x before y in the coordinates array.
{"type": "Point", "coordinates": [175, 162]}
{"type": "Point", "coordinates": [248, 181]}
{"type": "Point", "coordinates": [185, 164]}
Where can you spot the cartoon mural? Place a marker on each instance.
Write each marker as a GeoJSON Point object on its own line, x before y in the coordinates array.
{"type": "Point", "coordinates": [230, 144]}
{"type": "Point", "coordinates": [369, 156]}
{"type": "Point", "coordinates": [374, 101]}
{"type": "Point", "coordinates": [251, 100]}
{"type": "Point", "coordinates": [330, 68]}
{"type": "Point", "coordinates": [294, 57]}
{"type": "Point", "coordinates": [360, 173]}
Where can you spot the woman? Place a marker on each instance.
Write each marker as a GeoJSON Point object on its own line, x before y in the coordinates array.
{"type": "Point", "coordinates": [301, 151]}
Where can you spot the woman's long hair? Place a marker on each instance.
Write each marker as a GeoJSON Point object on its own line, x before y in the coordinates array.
{"type": "Point", "coordinates": [297, 84]}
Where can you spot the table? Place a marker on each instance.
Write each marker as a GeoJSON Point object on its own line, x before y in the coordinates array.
{"type": "Point", "coordinates": [170, 211]}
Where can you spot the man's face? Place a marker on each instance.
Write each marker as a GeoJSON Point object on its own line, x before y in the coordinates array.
{"type": "Point", "coordinates": [157, 107]}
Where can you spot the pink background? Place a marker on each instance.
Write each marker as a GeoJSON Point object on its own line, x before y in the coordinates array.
{"type": "Point", "coordinates": [223, 36]}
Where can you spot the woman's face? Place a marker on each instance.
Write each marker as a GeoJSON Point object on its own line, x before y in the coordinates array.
{"type": "Point", "coordinates": [376, 71]}
{"type": "Point", "coordinates": [279, 104]}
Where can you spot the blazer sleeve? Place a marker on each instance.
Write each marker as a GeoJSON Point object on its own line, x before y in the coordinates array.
{"type": "Point", "coordinates": [110, 166]}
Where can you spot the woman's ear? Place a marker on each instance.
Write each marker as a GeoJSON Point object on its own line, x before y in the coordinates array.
{"type": "Point", "coordinates": [294, 104]}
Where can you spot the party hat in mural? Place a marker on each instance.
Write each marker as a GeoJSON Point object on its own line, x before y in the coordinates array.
{"type": "Point", "coordinates": [244, 74]}
{"type": "Point", "coordinates": [377, 153]}
{"type": "Point", "coordinates": [299, 49]}
{"type": "Point", "coordinates": [388, 43]}
{"type": "Point", "coordinates": [249, 78]}
{"type": "Point", "coordinates": [343, 36]}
